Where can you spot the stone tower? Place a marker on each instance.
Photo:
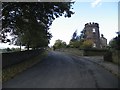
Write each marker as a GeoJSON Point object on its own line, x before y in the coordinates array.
{"type": "Point", "coordinates": [91, 32]}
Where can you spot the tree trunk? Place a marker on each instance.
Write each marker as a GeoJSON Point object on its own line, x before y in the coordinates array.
{"type": "Point", "coordinates": [28, 47]}
{"type": "Point", "coordinates": [20, 46]}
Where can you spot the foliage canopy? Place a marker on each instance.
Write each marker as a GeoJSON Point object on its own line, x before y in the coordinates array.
{"type": "Point", "coordinates": [28, 23]}
{"type": "Point", "coordinates": [59, 44]}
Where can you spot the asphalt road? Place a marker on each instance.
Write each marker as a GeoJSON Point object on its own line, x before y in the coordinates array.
{"type": "Point", "coordinates": [59, 70]}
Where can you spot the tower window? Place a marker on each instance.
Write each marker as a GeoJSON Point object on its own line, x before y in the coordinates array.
{"type": "Point", "coordinates": [93, 30]}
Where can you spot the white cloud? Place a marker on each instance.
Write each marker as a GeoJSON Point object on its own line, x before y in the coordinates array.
{"type": "Point", "coordinates": [96, 3]}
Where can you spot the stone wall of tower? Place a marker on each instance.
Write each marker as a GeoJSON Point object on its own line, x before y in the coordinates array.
{"type": "Point", "coordinates": [103, 41]}
{"type": "Point", "coordinates": [91, 32]}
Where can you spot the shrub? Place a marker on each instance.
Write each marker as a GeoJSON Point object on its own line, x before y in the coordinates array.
{"type": "Point", "coordinates": [87, 44]}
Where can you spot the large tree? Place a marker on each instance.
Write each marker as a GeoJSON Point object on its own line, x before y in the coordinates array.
{"type": "Point", "coordinates": [75, 40]}
{"type": "Point", "coordinates": [28, 22]}
{"type": "Point", "coordinates": [115, 43]}
{"type": "Point", "coordinates": [59, 44]}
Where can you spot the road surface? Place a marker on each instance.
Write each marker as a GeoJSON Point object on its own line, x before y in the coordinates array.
{"type": "Point", "coordinates": [59, 70]}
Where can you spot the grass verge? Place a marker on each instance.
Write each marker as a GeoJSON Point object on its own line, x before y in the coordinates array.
{"type": "Point", "coordinates": [73, 51]}
{"type": "Point", "coordinates": [12, 71]}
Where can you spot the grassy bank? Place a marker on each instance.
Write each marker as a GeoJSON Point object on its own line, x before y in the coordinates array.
{"type": "Point", "coordinates": [73, 51]}
{"type": "Point", "coordinates": [12, 71]}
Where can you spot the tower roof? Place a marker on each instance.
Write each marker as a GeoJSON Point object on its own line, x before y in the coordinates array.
{"type": "Point", "coordinates": [91, 24]}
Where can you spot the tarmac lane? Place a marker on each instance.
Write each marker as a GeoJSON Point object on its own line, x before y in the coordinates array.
{"type": "Point", "coordinates": [59, 70]}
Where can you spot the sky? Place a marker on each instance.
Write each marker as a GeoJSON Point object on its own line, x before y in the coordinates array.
{"type": "Point", "coordinates": [99, 11]}
{"type": "Point", "coordinates": [103, 12]}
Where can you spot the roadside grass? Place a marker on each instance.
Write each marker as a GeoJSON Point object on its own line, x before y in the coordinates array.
{"type": "Point", "coordinates": [13, 70]}
{"type": "Point", "coordinates": [73, 51]}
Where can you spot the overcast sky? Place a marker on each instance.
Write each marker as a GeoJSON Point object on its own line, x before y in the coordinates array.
{"type": "Point", "coordinates": [104, 12]}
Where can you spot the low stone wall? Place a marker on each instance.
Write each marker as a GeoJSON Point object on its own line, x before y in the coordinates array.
{"type": "Point", "coordinates": [108, 56]}
{"type": "Point", "coordinates": [94, 52]}
{"type": "Point", "coordinates": [116, 56]}
{"type": "Point", "coordinates": [113, 56]}
{"type": "Point", "coordinates": [12, 58]}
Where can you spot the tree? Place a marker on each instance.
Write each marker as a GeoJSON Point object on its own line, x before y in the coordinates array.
{"type": "Point", "coordinates": [75, 41]}
{"type": "Point", "coordinates": [29, 22]}
{"type": "Point", "coordinates": [115, 43]}
{"type": "Point", "coordinates": [59, 44]}
{"type": "Point", "coordinates": [8, 49]}
{"type": "Point", "coordinates": [74, 44]}
{"type": "Point", "coordinates": [74, 36]}
{"type": "Point", "coordinates": [87, 44]}
{"type": "Point", "coordinates": [82, 34]}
